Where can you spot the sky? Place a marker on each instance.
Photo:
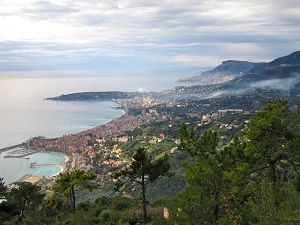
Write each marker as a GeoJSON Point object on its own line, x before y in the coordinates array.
{"type": "Point", "coordinates": [143, 34]}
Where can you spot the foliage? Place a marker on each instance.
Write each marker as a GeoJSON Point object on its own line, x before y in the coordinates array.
{"type": "Point", "coordinates": [68, 182]}
{"type": "Point", "coordinates": [216, 181]}
{"type": "Point", "coordinates": [28, 196]}
{"type": "Point", "coordinates": [143, 170]}
{"type": "Point", "coordinates": [8, 210]}
{"type": "Point", "coordinates": [3, 188]}
{"type": "Point", "coordinates": [272, 140]}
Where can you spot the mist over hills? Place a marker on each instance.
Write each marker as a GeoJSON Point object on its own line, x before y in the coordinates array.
{"type": "Point", "coordinates": [278, 78]}
{"type": "Point", "coordinates": [228, 70]}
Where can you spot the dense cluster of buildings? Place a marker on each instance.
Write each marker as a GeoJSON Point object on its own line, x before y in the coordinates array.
{"type": "Point", "coordinates": [80, 142]}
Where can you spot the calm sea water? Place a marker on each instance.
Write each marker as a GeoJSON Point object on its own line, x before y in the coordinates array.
{"type": "Point", "coordinates": [24, 113]}
{"type": "Point", "coordinates": [14, 168]}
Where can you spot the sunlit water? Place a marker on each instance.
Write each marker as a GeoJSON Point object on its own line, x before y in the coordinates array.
{"type": "Point", "coordinates": [25, 114]}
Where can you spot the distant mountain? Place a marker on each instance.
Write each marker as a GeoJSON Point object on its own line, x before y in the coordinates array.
{"type": "Point", "coordinates": [289, 60]}
{"type": "Point", "coordinates": [228, 70]}
{"type": "Point", "coordinates": [278, 78]}
{"type": "Point", "coordinates": [285, 61]}
{"type": "Point", "coordinates": [233, 69]}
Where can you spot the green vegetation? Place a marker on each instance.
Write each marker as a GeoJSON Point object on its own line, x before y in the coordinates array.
{"type": "Point", "coordinates": [68, 182]}
{"type": "Point", "coordinates": [2, 188]}
{"type": "Point", "coordinates": [143, 170]}
{"type": "Point", "coordinates": [249, 177]}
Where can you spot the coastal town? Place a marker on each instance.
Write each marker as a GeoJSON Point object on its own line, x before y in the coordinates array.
{"type": "Point", "coordinates": [100, 149]}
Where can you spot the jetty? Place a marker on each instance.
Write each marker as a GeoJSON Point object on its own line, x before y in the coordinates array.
{"type": "Point", "coordinates": [34, 165]}
{"type": "Point", "coordinates": [21, 179]}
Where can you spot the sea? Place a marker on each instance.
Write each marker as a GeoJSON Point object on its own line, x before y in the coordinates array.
{"type": "Point", "coordinates": [25, 113]}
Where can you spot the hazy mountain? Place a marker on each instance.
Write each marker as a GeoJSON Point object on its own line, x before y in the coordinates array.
{"type": "Point", "coordinates": [278, 78]}
{"type": "Point", "coordinates": [234, 69]}
{"type": "Point", "coordinates": [285, 61]}
{"type": "Point", "coordinates": [228, 70]}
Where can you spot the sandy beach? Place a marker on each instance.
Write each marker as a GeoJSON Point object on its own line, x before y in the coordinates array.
{"type": "Point", "coordinates": [32, 179]}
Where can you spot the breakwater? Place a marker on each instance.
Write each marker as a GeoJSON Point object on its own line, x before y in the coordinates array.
{"type": "Point", "coordinates": [21, 179]}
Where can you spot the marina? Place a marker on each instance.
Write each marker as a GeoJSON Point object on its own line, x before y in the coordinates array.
{"type": "Point", "coordinates": [12, 147]}
{"type": "Point", "coordinates": [18, 151]}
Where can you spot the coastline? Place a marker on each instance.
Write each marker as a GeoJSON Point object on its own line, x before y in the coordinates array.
{"type": "Point", "coordinates": [34, 179]}
{"type": "Point", "coordinates": [63, 166]}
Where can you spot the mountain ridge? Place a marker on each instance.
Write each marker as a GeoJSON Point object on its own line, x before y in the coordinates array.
{"type": "Point", "coordinates": [234, 69]}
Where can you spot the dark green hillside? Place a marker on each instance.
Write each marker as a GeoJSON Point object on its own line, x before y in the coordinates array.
{"type": "Point", "coordinates": [273, 73]}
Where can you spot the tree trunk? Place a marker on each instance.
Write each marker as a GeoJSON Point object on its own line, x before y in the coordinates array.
{"type": "Point", "coordinates": [73, 204]}
{"type": "Point", "coordinates": [273, 168]}
{"type": "Point", "coordinates": [274, 184]}
{"type": "Point", "coordinates": [144, 198]}
{"type": "Point", "coordinates": [216, 210]}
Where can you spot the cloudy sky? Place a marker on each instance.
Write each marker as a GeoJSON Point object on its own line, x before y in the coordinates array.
{"type": "Point", "coordinates": [134, 34]}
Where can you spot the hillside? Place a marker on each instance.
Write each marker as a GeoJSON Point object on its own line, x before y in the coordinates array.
{"type": "Point", "coordinates": [228, 70]}
{"type": "Point", "coordinates": [234, 69]}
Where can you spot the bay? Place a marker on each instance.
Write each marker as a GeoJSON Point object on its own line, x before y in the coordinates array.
{"type": "Point", "coordinates": [25, 114]}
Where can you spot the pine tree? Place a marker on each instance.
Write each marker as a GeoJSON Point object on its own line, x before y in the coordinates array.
{"type": "Point", "coordinates": [143, 170]}
{"type": "Point", "coordinates": [68, 183]}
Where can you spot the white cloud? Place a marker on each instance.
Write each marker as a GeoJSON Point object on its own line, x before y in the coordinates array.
{"type": "Point", "coordinates": [187, 31]}
{"type": "Point", "coordinates": [196, 60]}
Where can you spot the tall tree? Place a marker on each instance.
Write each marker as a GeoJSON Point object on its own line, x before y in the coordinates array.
{"type": "Point", "coordinates": [27, 195]}
{"type": "Point", "coordinates": [215, 178]}
{"type": "Point", "coordinates": [143, 170]}
{"type": "Point", "coordinates": [272, 138]}
{"type": "Point", "coordinates": [207, 173]}
{"type": "Point", "coordinates": [3, 188]}
{"type": "Point", "coordinates": [69, 182]}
